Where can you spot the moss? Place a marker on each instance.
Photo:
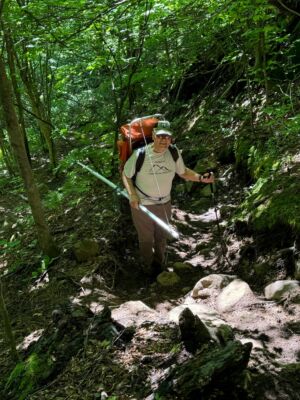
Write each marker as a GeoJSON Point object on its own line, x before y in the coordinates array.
{"type": "Point", "coordinates": [28, 374]}
{"type": "Point", "coordinates": [291, 373]}
{"type": "Point", "coordinates": [257, 153]}
{"type": "Point", "coordinates": [292, 368]}
{"type": "Point", "coordinates": [261, 162]}
{"type": "Point", "coordinates": [273, 202]}
{"type": "Point", "coordinates": [168, 279]}
{"type": "Point", "coordinates": [182, 268]}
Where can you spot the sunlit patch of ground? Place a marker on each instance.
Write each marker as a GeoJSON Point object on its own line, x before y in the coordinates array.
{"type": "Point", "coordinates": [202, 261]}
{"type": "Point", "coordinates": [29, 339]}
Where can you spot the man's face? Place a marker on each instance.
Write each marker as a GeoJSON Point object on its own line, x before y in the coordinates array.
{"type": "Point", "coordinates": [161, 142]}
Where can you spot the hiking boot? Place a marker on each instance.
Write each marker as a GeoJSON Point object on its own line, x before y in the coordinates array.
{"type": "Point", "coordinates": [157, 267]}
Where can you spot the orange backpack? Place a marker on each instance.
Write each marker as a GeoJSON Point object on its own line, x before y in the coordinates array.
{"type": "Point", "coordinates": [136, 134]}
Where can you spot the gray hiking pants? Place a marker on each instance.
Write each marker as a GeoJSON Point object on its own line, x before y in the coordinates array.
{"type": "Point", "coordinates": [152, 238]}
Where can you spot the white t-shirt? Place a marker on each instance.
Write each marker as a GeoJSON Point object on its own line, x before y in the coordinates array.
{"type": "Point", "coordinates": [156, 175]}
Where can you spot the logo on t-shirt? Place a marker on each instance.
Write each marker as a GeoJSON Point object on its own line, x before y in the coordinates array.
{"type": "Point", "coordinates": [159, 169]}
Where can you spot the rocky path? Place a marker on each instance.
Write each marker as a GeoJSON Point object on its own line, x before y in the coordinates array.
{"type": "Point", "coordinates": [207, 261]}
{"type": "Point", "coordinates": [270, 325]}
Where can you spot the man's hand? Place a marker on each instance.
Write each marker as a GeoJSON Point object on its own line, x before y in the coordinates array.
{"type": "Point", "coordinates": [134, 201]}
{"type": "Point", "coordinates": [208, 177]}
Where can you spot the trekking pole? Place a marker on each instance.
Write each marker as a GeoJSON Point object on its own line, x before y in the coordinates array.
{"type": "Point", "coordinates": [171, 231]}
{"type": "Point", "coordinates": [221, 240]}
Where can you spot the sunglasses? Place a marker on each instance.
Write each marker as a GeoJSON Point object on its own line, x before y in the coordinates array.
{"type": "Point", "coordinates": [163, 137]}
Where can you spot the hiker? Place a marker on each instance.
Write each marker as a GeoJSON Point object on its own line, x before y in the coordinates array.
{"type": "Point", "coordinates": [151, 187]}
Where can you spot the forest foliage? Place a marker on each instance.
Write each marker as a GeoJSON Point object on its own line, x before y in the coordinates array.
{"type": "Point", "coordinates": [221, 69]}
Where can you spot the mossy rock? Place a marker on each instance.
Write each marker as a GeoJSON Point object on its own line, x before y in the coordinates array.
{"type": "Point", "coordinates": [220, 368]}
{"type": "Point", "coordinates": [225, 333]}
{"type": "Point", "coordinates": [182, 268]}
{"type": "Point", "coordinates": [29, 374]}
{"type": "Point", "coordinates": [273, 205]}
{"type": "Point", "coordinates": [168, 279]}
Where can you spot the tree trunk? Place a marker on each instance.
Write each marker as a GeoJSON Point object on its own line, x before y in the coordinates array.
{"type": "Point", "coordinates": [11, 63]}
{"type": "Point", "coordinates": [15, 136]}
{"type": "Point", "coordinates": [40, 111]}
{"type": "Point", "coordinates": [42, 121]}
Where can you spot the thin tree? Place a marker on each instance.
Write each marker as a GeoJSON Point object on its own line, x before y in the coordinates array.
{"type": "Point", "coordinates": [13, 74]}
{"type": "Point", "coordinates": [16, 139]}
{"type": "Point", "coordinates": [41, 108]}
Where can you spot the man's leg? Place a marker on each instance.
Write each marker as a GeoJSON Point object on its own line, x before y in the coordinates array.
{"type": "Point", "coordinates": [145, 230]}
{"type": "Point", "coordinates": [160, 236]}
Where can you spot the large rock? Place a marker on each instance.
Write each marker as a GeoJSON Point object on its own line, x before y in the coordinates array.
{"type": "Point", "coordinates": [168, 279]}
{"type": "Point", "coordinates": [278, 290]}
{"type": "Point", "coordinates": [193, 331]}
{"type": "Point", "coordinates": [212, 281]}
{"type": "Point", "coordinates": [208, 316]}
{"type": "Point", "coordinates": [134, 313]}
{"type": "Point", "coordinates": [236, 293]}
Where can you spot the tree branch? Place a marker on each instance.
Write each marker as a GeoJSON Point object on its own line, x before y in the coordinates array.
{"type": "Point", "coordinates": [36, 116]}
{"type": "Point", "coordinates": [288, 9]}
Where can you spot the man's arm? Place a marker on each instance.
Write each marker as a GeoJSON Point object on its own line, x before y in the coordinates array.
{"type": "Point", "coordinates": [133, 197]}
{"type": "Point", "coordinates": [191, 175]}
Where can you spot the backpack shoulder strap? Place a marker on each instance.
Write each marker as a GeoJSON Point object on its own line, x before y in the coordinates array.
{"type": "Point", "coordinates": [174, 152]}
{"type": "Point", "coordinates": [141, 152]}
